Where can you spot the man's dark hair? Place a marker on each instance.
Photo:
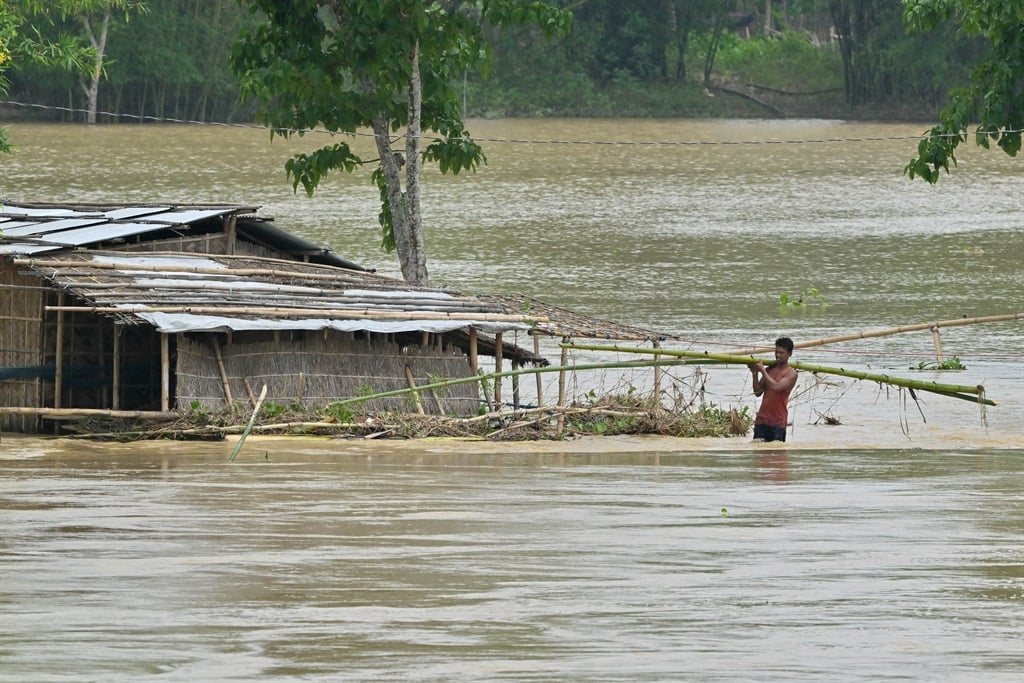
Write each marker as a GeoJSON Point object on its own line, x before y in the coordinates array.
{"type": "Point", "coordinates": [786, 343]}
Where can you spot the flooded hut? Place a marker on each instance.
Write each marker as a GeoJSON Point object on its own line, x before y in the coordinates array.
{"type": "Point", "coordinates": [138, 311]}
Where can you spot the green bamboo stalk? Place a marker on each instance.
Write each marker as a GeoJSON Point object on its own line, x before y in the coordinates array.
{"type": "Point", "coordinates": [248, 427]}
{"type": "Point", "coordinates": [935, 387]}
{"type": "Point", "coordinates": [512, 373]}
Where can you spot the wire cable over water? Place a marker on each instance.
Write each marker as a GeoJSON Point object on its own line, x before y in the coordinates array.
{"type": "Point", "coordinates": [516, 141]}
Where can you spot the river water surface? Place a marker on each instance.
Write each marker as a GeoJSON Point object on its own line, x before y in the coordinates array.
{"type": "Point", "coordinates": [889, 547]}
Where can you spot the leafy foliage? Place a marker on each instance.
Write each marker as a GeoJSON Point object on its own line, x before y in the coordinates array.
{"type": "Point", "coordinates": [953, 363]}
{"type": "Point", "coordinates": [995, 97]}
{"type": "Point", "coordinates": [387, 65]}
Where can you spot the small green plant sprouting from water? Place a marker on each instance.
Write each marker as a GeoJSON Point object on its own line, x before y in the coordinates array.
{"type": "Point", "coordinates": [953, 363]}
{"type": "Point", "coordinates": [808, 297]}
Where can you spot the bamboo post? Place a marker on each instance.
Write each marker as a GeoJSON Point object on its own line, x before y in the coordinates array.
{"type": "Point", "coordinates": [165, 372]}
{"type": "Point", "coordinates": [498, 352]}
{"type": "Point", "coordinates": [248, 390]}
{"type": "Point", "coordinates": [58, 377]}
{"type": "Point", "coordinates": [561, 386]}
{"type": "Point", "coordinates": [223, 372]}
{"type": "Point", "coordinates": [116, 398]}
{"type": "Point", "coordinates": [473, 360]}
{"type": "Point", "coordinates": [415, 392]}
{"type": "Point", "coordinates": [101, 360]}
{"type": "Point", "coordinates": [540, 384]}
{"type": "Point", "coordinates": [561, 373]}
{"type": "Point", "coordinates": [515, 387]}
{"type": "Point", "coordinates": [657, 380]}
{"type": "Point", "coordinates": [438, 402]}
{"type": "Point", "coordinates": [231, 233]}
{"type": "Point", "coordinates": [938, 343]}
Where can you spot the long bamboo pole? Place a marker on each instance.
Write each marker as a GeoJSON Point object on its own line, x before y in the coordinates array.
{"type": "Point", "coordinates": [509, 373]}
{"type": "Point", "coordinates": [76, 413]}
{"type": "Point", "coordinates": [955, 322]}
{"type": "Point", "coordinates": [274, 312]}
{"type": "Point", "coordinates": [953, 390]}
{"type": "Point", "coordinates": [303, 274]}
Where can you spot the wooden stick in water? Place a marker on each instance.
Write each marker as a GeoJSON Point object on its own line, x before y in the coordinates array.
{"type": "Point", "coordinates": [248, 427]}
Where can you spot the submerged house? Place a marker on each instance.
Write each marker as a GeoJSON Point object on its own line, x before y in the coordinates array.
{"type": "Point", "coordinates": [144, 310]}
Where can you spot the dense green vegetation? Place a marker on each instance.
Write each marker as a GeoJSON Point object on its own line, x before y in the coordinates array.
{"type": "Point", "coordinates": [638, 58]}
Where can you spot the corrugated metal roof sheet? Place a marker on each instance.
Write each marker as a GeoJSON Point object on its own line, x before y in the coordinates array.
{"type": "Point", "coordinates": [34, 228]}
{"type": "Point", "coordinates": [134, 212]}
{"type": "Point", "coordinates": [188, 216]}
{"type": "Point", "coordinates": [24, 248]}
{"type": "Point", "coordinates": [40, 228]}
{"type": "Point", "coordinates": [99, 232]}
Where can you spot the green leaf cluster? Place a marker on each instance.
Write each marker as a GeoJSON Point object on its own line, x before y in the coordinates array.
{"type": "Point", "coordinates": [346, 65]}
{"type": "Point", "coordinates": [994, 101]}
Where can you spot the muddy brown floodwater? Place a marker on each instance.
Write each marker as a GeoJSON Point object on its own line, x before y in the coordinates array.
{"type": "Point", "coordinates": [627, 559]}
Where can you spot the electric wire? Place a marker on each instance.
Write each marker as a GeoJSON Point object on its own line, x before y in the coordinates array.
{"type": "Point", "coordinates": [517, 141]}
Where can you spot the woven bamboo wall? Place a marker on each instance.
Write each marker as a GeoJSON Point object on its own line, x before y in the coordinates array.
{"type": "Point", "coordinates": [20, 346]}
{"type": "Point", "coordinates": [214, 243]}
{"type": "Point", "coordinates": [315, 368]}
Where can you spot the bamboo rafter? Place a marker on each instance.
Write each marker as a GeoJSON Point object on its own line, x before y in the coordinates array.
{"type": "Point", "coordinates": [917, 327]}
{"type": "Point", "coordinates": [302, 271]}
{"type": "Point", "coordinates": [311, 312]}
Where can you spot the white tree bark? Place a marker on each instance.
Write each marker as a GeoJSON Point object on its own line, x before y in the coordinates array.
{"type": "Point", "coordinates": [414, 142]}
{"type": "Point", "coordinates": [91, 87]}
{"type": "Point", "coordinates": [406, 217]}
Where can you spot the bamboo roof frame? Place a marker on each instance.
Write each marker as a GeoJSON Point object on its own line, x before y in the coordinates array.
{"type": "Point", "coordinates": [106, 292]}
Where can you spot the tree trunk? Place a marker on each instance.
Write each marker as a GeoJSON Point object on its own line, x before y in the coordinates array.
{"type": "Point", "coordinates": [91, 88]}
{"type": "Point", "coordinates": [713, 44]}
{"type": "Point", "coordinates": [406, 220]}
{"type": "Point", "coordinates": [414, 142]}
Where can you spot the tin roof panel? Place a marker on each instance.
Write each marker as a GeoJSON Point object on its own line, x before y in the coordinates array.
{"type": "Point", "coordinates": [48, 227]}
{"type": "Point", "coordinates": [188, 215]}
{"type": "Point", "coordinates": [103, 232]}
{"type": "Point", "coordinates": [10, 224]}
{"type": "Point", "coordinates": [27, 248]}
{"type": "Point", "coordinates": [36, 212]}
{"type": "Point", "coordinates": [134, 212]}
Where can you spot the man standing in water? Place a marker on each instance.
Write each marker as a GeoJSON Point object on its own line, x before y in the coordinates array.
{"type": "Point", "coordinates": [775, 382]}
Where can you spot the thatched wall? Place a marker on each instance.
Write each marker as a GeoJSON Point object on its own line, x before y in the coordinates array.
{"type": "Point", "coordinates": [315, 368]}
{"type": "Point", "coordinates": [21, 346]}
